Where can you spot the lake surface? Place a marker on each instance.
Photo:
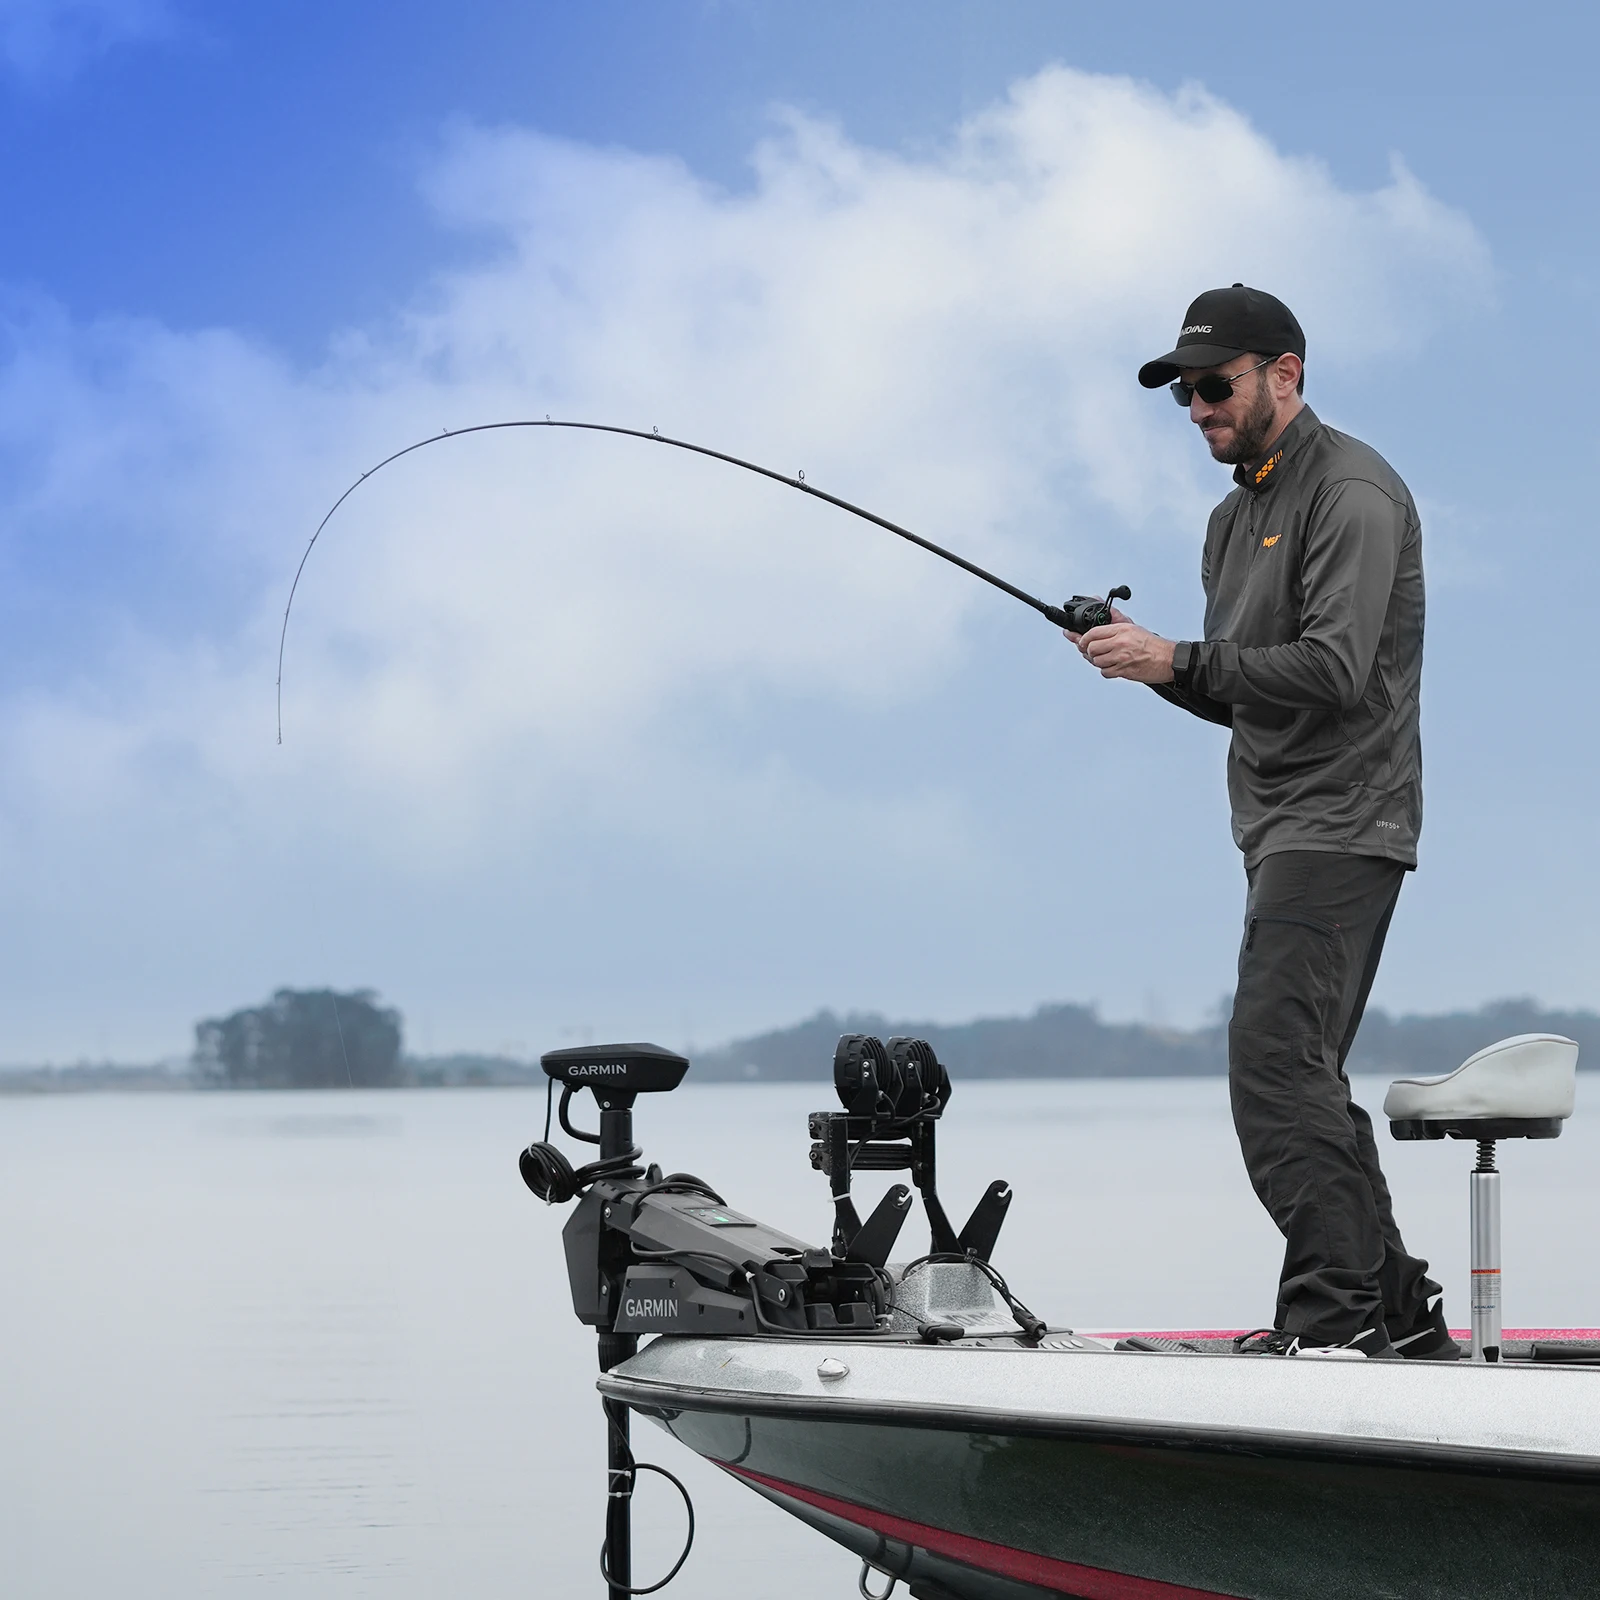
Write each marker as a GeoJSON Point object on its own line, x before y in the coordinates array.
{"type": "Point", "coordinates": [321, 1344]}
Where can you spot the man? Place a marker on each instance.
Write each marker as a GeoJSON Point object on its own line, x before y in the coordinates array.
{"type": "Point", "coordinates": [1312, 655]}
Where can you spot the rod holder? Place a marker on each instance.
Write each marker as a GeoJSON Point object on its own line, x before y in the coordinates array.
{"type": "Point", "coordinates": [1484, 1194]}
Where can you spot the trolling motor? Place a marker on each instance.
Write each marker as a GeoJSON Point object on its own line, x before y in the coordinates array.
{"type": "Point", "coordinates": [596, 1263]}
{"type": "Point", "coordinates": [648, 1253]}
{"type": "Point", "coordinates": [651, 1253]}
{"type": "Point", "coordinates": [654, 1253]}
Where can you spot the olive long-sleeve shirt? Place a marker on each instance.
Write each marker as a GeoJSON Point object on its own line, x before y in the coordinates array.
{"type": "Point", "coordinates": [1312, 652]}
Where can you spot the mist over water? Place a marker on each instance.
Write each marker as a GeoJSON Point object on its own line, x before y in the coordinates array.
{"type": "Point", "coordinates": [321, 1343]}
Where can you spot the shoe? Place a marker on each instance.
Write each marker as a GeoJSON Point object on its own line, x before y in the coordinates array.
{"type": "Point", "coordinates": [1426, 1336]}
{"type": "Point", "coordinates": [1371, 1344]}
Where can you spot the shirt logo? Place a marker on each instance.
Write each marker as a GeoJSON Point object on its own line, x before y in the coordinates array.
{"type": "Point", "coordinates": [1265, 469]}
{"type": "Point", "coordinates": [1270, 540]}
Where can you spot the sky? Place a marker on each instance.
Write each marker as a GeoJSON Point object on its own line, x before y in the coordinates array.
{"type": "Point", "coordinates": [583, 738]}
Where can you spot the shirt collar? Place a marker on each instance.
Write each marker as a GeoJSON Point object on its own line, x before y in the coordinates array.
{"type": "Point", "coordinates": [1262, 473]}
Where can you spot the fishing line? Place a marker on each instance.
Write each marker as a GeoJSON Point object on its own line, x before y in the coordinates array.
{"type": "Point", "coordinates": [336, 1022]}
{"type": "Point", "coordinates": [1080, 613]}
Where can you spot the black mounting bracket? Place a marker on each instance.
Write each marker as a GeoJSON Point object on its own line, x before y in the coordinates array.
{"type": "Point", "coordinates": [894, 1096]}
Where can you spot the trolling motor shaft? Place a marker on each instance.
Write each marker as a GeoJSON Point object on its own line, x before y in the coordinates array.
{"type": "Point", "coordinates": [615, 1074]}
{"type": "Point", "coordinates": [616, 1140]}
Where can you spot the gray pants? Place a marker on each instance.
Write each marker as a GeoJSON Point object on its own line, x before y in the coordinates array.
{"type": "Point", "coordinates": [1314, 930]}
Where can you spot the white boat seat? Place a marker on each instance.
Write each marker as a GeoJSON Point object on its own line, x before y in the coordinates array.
{"type": "Point", "coordinates": [1520, 1088]}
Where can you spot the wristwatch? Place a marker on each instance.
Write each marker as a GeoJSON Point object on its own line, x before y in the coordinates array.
{"type": "Point", "coordinates": [1182, 663]}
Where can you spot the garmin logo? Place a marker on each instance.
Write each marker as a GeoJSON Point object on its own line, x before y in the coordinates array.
{"type": "Point", "coordinates": [1194, 327]}
{"type": "Point", "coordinates": [600, 1069]}
{"type": "Point", "coordinates": [659, 1306]}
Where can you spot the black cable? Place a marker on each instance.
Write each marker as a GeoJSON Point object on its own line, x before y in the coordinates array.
{"type": "Point", "coordinates": [633, 1469]}
{"type": "Point", "coordinates": [567, 1091]}
{"type": "Point", "coordinates": [547, 1171]}
{"type": "Point", "coordinates": [1033, 1327]}
{"type": "Point", "coordinates": [1053, 613]}
{"type": "Point", "coordinates": [683, 1252]}
{"type": "Point", "coordinates": [941, 1332]}
{"type": "Point", "coordinates": [682, 1183]}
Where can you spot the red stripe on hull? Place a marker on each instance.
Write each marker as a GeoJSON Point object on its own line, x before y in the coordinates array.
{"type": "Point", "coordinates": [1583, 1335]}
{"type": "Point", "coordinates": [1067, 1577]}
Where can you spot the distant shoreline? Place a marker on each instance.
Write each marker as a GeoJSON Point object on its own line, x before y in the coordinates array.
{"type": "Point", "coordinates": [1056, 1041]}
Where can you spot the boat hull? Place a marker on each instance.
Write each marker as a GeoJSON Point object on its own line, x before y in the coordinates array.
{"type": "Point", "coordinates": [1134, 1477]}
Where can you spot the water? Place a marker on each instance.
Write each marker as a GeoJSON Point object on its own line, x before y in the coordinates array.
{"type": "Point", "coordinates": [321, 1344]}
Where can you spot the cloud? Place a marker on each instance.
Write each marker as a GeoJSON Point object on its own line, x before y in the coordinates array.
{"type": "Point", "coordinates": [511, 649]}
{"type": "Point", "coordinates": [46, 40]}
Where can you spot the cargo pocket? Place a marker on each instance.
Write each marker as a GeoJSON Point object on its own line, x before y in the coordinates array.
{"type": "Point", "coordinates": [1288, 975]}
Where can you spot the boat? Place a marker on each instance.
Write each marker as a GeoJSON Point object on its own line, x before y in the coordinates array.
{"type": "Point", "coordinates": [922, 1416]}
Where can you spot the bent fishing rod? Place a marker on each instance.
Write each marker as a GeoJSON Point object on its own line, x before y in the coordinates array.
{"type": "Point", "coordinates": [1078, 615]}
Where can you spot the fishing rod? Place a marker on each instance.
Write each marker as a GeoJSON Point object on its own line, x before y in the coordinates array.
{"type": "Point", "coordinates": [1079, 614]}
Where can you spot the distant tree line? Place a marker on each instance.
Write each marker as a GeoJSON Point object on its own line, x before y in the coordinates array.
{"type": "Point", "coordinates": [1070, 1041]}
{"type": "Point", "coordinates": [320, 1039]}
{"type": "Point", "coordinates": [302, 1039]}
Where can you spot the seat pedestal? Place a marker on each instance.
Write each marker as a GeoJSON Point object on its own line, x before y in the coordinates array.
{"type": "Point", "coordinates": [1483, 1185]}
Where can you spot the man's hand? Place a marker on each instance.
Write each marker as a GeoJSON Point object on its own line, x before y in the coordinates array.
{"type": "Point", "coordinates": [1122, 649]}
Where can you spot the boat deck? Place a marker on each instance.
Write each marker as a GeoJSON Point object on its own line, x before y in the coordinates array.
{"type": "Point", "coordinates": [1576, 1345]}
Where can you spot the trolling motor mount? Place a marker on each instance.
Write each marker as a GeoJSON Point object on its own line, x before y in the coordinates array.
{"type": "Point", "coordinates": [654, 1253]}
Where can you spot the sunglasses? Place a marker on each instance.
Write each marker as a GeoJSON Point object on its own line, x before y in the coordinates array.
{"type": "Point", "coordinates": [1213, 388]}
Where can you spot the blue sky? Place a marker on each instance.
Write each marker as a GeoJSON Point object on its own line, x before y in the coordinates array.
{"type": "Point", "coordinates": [580, 740]}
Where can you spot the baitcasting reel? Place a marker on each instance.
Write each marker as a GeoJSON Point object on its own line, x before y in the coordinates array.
{"type": "Point", "coordinates": [1086, 611]}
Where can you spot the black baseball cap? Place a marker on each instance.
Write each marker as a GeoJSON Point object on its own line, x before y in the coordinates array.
{"type": "Point", "coordinates": [1224, 323]}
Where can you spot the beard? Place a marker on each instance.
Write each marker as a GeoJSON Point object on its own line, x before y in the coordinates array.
{"type": "Point", "coordinates": [1254, 429]}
